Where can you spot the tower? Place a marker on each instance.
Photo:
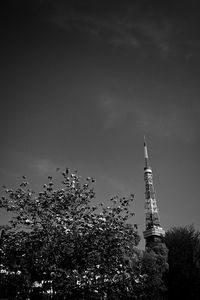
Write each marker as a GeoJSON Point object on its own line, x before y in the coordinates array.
{"type": "Point", "coordinates": [154, 232]}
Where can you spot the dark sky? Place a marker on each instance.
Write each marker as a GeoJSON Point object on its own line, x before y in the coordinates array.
{"type": "Point", "coordinates": [83, 81]}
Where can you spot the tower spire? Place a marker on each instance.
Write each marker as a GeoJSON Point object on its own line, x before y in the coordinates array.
{"type": "Point", "coordinates": [146, 158]}
{"type": "Point", "coordinates": [154, 231]}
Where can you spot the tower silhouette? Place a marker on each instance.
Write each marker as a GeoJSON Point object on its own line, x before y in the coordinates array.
{"type": "Point", "coordinates": [154, 233]}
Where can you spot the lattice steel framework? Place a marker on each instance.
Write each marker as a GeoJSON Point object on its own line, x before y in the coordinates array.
{"type": "Point", "coordinates": [153, 226]}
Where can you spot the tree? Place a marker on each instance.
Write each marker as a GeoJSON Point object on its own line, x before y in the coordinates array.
{"type": "Point", "coordinates": [183, 277]}
{"type": "Point", "coordinates": [155, 265]}
{"type": "Point", "coordinates": [59, 244]}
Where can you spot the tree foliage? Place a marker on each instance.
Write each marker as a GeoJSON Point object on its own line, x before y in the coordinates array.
{"type": "Point", "coordinates": [154, 263]}
{"type": "Point", "coordinates": [59, 245]}
{"type": "Point", "coordinates": [57, 240]}
{"type": "Point", "coordinates": [183, 278]}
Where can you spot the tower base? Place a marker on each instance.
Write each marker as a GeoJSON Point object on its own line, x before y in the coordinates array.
{"type": "Point", "coordinates": [154, 235]}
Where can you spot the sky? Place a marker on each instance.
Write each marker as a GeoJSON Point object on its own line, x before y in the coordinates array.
{"type": "Point", "coordinates": [83, 81]}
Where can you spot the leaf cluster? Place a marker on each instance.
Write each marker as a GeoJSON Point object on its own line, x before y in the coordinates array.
{"type": "Point", "coordinates": [183, 277]}
{"type": "Point", "coordinates": [59, 241]}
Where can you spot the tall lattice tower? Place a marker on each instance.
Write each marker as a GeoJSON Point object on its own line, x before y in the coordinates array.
{"type": "Point", "coordinates": [154, 232]}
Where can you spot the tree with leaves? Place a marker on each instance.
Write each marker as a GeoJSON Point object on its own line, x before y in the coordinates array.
{"type": "Point", "coordinates": [183, 278]}
{"type": "Point", "coordinates": [59, 244]}
{"type": "Point", "coordinates": [155, 265]}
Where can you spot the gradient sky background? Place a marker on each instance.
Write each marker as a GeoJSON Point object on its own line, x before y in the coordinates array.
{"type": "Point", "coordinates": [83, 81]}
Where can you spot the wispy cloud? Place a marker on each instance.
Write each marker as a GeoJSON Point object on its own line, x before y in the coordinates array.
{"type": "Point", "coordinates": [120, 32]}
{"type": "Point", "coordinates": [160, 35]}
{"type": "Point", "coordinates": [142, 27]}
{"type": "Point", "coordinates": [148, 27]}
{"type": "Point", "coordinates": [166, 120]}
{"type": "Point", "coordinates": [112, 29]}
{"type": "Point", "coordinates": [113, 111]}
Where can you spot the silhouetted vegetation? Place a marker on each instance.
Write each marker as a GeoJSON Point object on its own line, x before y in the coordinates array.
{"type": "Point", "coordinates": [183, 278]}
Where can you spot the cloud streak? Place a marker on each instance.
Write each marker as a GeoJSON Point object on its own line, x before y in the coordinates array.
{"type": "Point", "coordinates": [137, 25]}
{"type": "Point", "coordinates": [165, 29]}
{"type": "Point", "coordinates": [175, 121]}
{"type": "Point", "coordinates": [119, 32]}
